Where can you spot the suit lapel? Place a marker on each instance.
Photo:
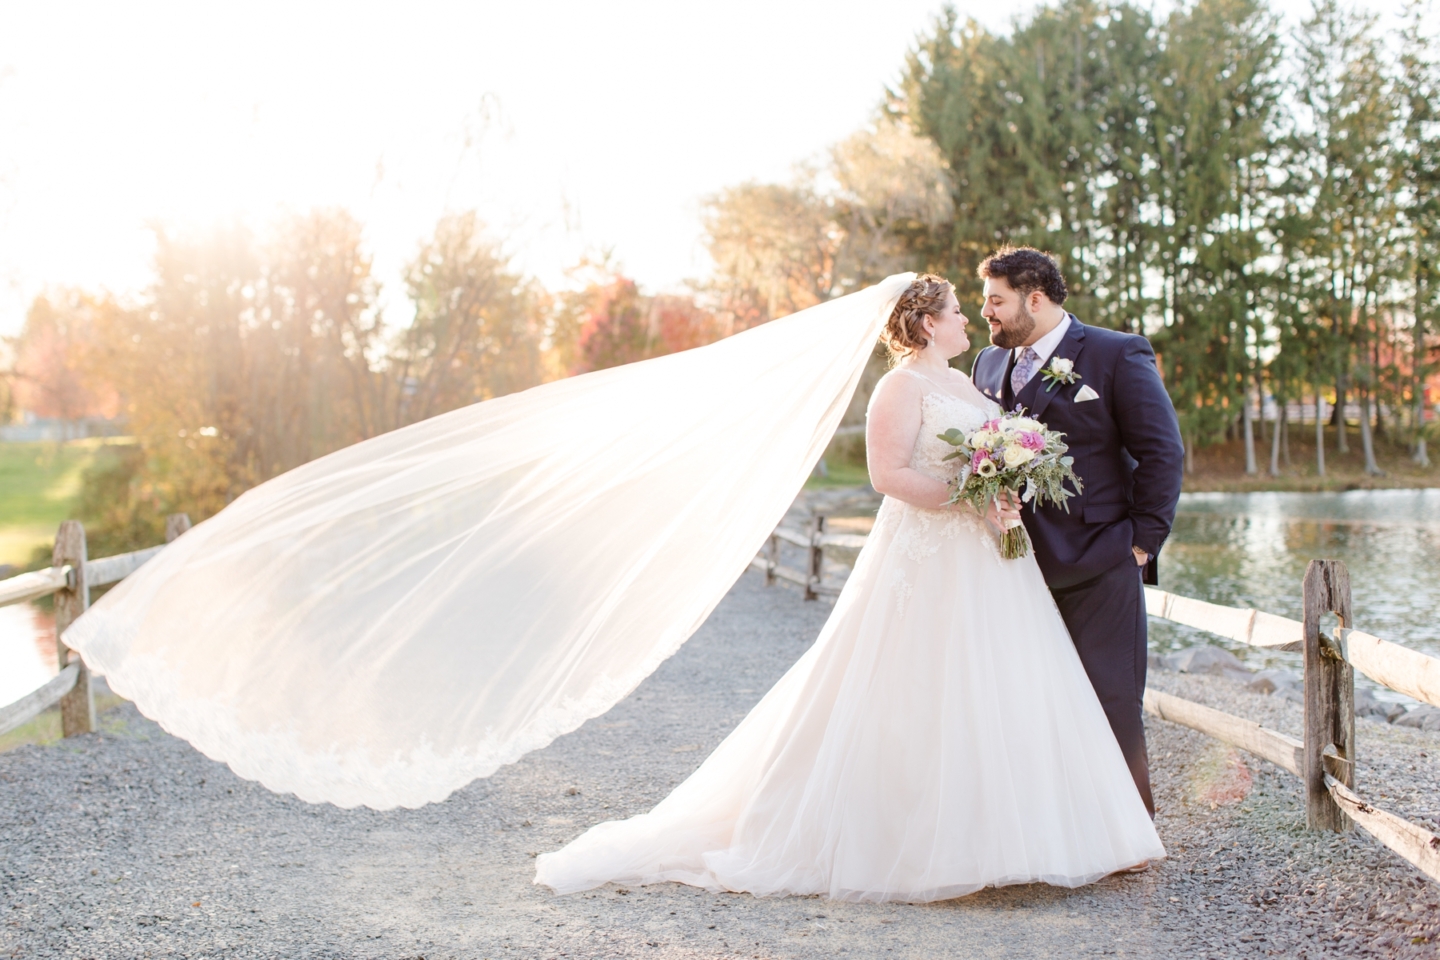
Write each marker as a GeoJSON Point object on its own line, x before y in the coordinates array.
{"type": "Point", "coordinates": [990, 373]}
{"type": "Point", "coordinates": [1069, 349]}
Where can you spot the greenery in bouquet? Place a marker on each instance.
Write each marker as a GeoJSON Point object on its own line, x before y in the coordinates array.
{"type": "Point", "coordinates": [1018, 455]}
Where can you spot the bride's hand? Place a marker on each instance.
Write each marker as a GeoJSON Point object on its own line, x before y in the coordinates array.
{"type": "Point", "coordinates": [1003, 509]}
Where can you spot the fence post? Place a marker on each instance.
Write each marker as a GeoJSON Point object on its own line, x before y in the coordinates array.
{"type": "Point", "coordinates": [77, 708]}
{"type": "Point", "coordinates": [772, 559]}
{"type": "Point", "coordinates": [817, 556]}
{"type": "Point", "coordinates": [176, 524]}
{"type": "Point", "coordinates": [1329, 696]}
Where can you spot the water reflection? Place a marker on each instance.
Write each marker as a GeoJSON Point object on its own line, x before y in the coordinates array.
{"type": "Point", "coordinates": [27, 650]}
{"type": "Point", "coordinates": [1251, 550]}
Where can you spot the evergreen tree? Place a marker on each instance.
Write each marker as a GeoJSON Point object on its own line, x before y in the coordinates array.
{"type": "Point", "coordinates": [1217, 129]}
{"type": "Point", "coordinates": [1347, 117]}
{"type": "Point", "coordinates": [1417, 168]}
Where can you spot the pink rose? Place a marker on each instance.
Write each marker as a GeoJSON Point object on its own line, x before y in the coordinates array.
{"type": "Point", "coordinates": [1031, 440]}
{"type": "Point", "coordinates": [979, 455]}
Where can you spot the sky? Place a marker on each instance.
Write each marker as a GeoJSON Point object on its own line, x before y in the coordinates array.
{"type": "Point", "coordinates": [572, 127]}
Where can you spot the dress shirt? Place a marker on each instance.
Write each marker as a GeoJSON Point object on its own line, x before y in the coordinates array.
{"type": "Point", "coordinates": [1046, 345]}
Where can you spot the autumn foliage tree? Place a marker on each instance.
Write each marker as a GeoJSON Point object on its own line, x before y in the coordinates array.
{"type": "Point", "coordinates": [620, 325]}
{"type": "Point", "coordinates": [53, 356]}
{"type": "Point", "coordinates": [779, 248]}
{"type": "Point", "coordinates": [477, 330]}
{"type": "Point", "coordinates": [250, 354]}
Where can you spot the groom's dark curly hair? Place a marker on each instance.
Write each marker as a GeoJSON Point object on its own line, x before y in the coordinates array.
{"type": "Point", "coordinates": [1026, 270]}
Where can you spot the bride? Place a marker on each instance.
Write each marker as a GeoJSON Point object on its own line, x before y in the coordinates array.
{"type": "Point", "coordinates": [940, 735]}
{"type": "Point", "coordinates": [388, 623]}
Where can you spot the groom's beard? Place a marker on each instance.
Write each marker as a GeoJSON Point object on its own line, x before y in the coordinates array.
{"type": "Point", "coordinates": [1016, 332]}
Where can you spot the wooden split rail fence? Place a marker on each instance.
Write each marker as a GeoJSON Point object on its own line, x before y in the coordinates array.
{"type": "Point", "coordinates": [1325, 757]}
{"type": "Point", "coordinates": [813, 541]}
{"type": "Point", "coordinates": [70, 579]}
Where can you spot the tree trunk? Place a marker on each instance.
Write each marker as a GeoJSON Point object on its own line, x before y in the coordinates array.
{"type": "Point", "coordinates": [1250, 468]}
{"type": "Point", "coordinates": [1343, 446]}
{"type": "Point", "coordinates": [1189, 452]}
{"type": "Point", "coordinates": [1367, 440]}
{"type": "Point", "coordinates": [1260, 407]}
{"type": "Point", "coordinates": [1319, 434]}
{"type": "Point", "coordinates": [1420, 456]}
{"type": "Point", "coordinates": [1275, 438]}
{"type": "Point", "coordinates": [1283, 428]}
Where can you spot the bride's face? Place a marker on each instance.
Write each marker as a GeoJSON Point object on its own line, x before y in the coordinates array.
{"type": "Point", "coordinates": [947, 329]}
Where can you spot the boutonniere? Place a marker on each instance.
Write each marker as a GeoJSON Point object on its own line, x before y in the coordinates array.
{"type": "Point", "coordinates": [1059, 371]}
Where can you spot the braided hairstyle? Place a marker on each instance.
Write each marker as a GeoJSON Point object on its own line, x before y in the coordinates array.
{"type": "Point", "coordinates": [904, 331]}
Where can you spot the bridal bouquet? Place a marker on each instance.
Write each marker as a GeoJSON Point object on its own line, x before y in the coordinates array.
{"type": "Point", "coordinates": [1016, 454]}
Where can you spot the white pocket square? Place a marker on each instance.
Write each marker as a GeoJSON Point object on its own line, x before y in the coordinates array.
{"type": "Point", "coordinates": [1085, 393]}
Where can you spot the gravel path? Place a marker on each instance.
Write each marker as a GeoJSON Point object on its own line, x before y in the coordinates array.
{"type": "Point", "coordinates": [131, 844]}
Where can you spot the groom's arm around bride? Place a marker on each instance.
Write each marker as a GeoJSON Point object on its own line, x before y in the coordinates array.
{"type": "Point", "coordinates": [1102, 389]}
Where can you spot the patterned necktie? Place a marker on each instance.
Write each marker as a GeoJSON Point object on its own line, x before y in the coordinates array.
{"type": "Point", "coordinates": [1024, 370]}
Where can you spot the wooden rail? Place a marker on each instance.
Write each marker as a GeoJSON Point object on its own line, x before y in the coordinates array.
{"type": "Point", "coordinates": [41, 698]}
{"type": "Point", "coordinates": [1325, 758]}
{"type": "Point", "coordinates": [1406, 671]}
{"type": "Point", "coordinates": [32, 586]}
{"type": "Point", "coordinates": [814, 540]}
{"type": "Point", "coordinates": [1414, 843]}
{"type": "Point", "coordinates": [70, 579]}
{"type": "Point", "coordinates": [1283, 751]}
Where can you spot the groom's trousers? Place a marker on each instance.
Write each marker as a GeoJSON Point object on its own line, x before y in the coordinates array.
{"type": "Point", "coordinates": [1106, 618]}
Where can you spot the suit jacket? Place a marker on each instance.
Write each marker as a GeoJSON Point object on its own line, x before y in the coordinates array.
{"type": "Point", "coordinates": [1126, 444]}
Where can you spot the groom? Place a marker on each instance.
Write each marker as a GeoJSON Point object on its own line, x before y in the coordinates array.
{"type": "Point", "coordinates": [1101, 388]}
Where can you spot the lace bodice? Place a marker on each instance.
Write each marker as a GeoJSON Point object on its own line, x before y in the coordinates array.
{"type": "Point", "coordinates": [918, 533]}
{"type": "Point", "coordinates": [940, 411]}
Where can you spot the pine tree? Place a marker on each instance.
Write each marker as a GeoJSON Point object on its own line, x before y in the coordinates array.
{"type": "Point", "coordinates": [1216, 125]}
{"type": "Point", "coordinates": [1417, 168]}
{"type": "Point", "coordinates": [1347, 117]}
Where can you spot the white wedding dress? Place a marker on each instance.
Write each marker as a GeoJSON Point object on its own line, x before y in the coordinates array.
{"type": "Point", "coordinates": [940, 736]}
{"type": "Point", "coordinates": [390, 622]}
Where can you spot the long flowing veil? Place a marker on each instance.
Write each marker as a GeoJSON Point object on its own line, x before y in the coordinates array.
{"type": "Point", "coordinates": [387, 623]}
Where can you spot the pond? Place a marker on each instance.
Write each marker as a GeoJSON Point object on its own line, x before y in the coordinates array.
{"type": "Point", "coordinates": [1250, 550]}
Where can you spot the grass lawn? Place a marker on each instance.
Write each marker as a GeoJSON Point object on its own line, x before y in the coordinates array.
{"type": "Point", "coordinates": [38, 485]}
{"type": "Point", "coordinates": [839, 474]}
{"type": "Point", "coordinates": [1221, 467]}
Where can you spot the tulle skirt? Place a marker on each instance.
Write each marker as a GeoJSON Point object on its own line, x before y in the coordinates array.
{"type": "Point", "coordinates": [940, 736]}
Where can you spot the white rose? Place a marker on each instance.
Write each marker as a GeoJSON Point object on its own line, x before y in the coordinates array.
{"type": "Point", "coordinates": [981, 438]}
{"type": "Point", "coordinates": [1062, 367]}
{"type": "Point", "coordinates": [1017, 456]}
{"type": "Point", "coordinates": [1024, 423]}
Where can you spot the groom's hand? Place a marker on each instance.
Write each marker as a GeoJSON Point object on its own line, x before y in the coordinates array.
{"type": "Point", "coordinates": [1141, 557]}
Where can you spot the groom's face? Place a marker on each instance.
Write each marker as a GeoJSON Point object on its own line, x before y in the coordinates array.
{"type": "Point", "coordinates": [1011, 324]}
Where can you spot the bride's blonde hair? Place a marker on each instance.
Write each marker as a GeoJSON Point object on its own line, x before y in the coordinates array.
{"type": "Point", "coordinates": [904, 331]}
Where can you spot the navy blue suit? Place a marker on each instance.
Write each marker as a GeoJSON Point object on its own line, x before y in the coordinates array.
{"type": "Point", "coordinates": [1130, 460]}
